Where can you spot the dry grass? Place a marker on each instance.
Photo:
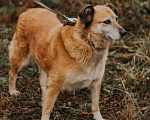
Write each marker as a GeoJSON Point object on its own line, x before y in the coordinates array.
{"type": "Point", "coordinates": [125, 93]}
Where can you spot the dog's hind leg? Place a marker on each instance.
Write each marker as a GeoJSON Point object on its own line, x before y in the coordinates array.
{"type": "Point", "coordinates": [43, 80]}
{"type": "Point", "coordinates": [19, 57]}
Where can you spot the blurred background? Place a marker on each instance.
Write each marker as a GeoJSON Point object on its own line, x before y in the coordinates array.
{"type": "Point", "coordinates": [125, 93]}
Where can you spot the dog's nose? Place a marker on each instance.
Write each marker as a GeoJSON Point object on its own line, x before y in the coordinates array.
{"type": "Point", "coordinates": [122, 33]}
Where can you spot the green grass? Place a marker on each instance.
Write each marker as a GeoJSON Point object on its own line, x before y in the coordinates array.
{"type": "Point", "coordinates": [125, 93]}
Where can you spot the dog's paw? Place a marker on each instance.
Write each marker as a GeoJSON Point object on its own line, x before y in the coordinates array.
{"type": "Point", "coordinates": [97, 116]}
{"type": "Point", "coordinates": [14, 92]}
{"type": "Point", "coordinates": [99, 119]}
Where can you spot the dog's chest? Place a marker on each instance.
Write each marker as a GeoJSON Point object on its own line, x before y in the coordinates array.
{"type": "Point", "coordinates": [83, 78]}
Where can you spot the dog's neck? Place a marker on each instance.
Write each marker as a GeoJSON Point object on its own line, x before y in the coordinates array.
{"type": "Point", "coordinates": [97, 42]}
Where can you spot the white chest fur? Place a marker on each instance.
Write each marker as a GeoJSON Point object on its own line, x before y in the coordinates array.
{"type": "Point", "coordinates": [84, 78]}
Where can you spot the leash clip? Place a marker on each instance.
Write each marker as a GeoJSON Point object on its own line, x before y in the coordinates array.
{"type": "Point", "coordinates": [70, 21]}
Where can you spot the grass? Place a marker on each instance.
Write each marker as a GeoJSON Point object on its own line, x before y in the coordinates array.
{"type": "Point", "coordinates": [125, 93]}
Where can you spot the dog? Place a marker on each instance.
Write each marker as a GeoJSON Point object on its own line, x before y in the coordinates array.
{"type": "Point", "coordinates": [70, 57]}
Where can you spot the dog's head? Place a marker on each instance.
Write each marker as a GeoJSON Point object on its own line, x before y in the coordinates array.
{"type": "Point", "coordinates": [102, 20]}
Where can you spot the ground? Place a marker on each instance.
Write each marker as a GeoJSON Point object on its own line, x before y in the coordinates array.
{"type": "Point", "coordinates": [125, 93]}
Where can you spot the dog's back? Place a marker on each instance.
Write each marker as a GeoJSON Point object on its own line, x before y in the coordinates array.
{"type": "Point", "coordinates": [35, 20]}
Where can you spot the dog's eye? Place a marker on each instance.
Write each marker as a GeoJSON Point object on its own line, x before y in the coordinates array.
{"type": "Point", "coordinates": [107, 22]}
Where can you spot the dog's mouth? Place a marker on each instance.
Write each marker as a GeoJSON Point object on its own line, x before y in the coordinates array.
{"type": "Point", "coordinates": [108, 37]}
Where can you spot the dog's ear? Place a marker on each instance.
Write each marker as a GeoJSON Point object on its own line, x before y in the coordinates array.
{"type": "Point", "coordinates": [112, 7]}
{"type": "Point", "coordinates": [86, 14]}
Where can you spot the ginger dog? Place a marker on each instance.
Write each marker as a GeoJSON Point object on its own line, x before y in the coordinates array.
{"type": "Point", "coordinates": [73, 57]}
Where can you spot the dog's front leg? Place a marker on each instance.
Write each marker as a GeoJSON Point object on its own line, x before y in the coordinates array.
{"type": "Point", "coordinates": [95, 91]}
{"type": "Point", "coordinates": [50, 95]}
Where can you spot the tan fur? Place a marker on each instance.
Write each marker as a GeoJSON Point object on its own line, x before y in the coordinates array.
{"type": "Point", "coordinates": [73, 56]}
